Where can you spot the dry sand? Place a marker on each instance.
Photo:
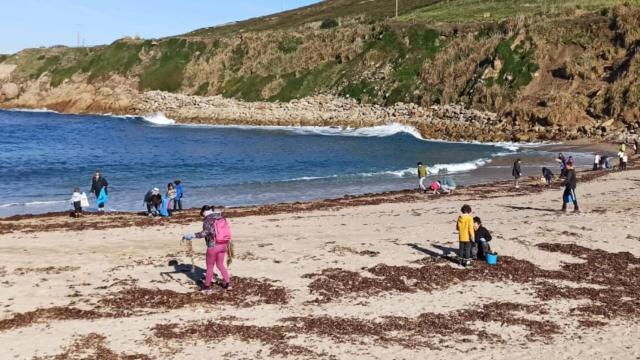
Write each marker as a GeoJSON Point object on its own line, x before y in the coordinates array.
{"type": "Point", "coordinates": [372, 281]}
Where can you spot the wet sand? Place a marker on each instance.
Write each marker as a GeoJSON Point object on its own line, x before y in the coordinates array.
{"type": "Point", "coordinates": [363, 277]}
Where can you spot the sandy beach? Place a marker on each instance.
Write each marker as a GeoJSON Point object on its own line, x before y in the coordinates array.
{"type": "Point", "coordinates": [367, 277]}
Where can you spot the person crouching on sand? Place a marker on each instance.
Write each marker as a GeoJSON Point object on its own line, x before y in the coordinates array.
{"type": "Point", "coordinates": [422, 174]}
{"type": "Point", "coordinates": [466, 235]}
{"type": "Point", "coordinates": [482, 236]}
{"type": "Point", "coordinates": [217, 235]}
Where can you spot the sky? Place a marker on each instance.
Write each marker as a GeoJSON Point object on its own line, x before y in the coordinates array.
{"type": "Point", "coordinates": [35, 23]}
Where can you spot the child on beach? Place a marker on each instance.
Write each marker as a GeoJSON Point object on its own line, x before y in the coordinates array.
{"type": "Point", "coordinates": [217, 235]}
{"type": "Point", "coordinates": [171, 193]}
{"type": "Point", "coordinates": [482, 236]}
{"type": "Point", "coordinates": [466, 235]}
{"type": "Point", "coordinates": [76, 201]}
{"type": "Point", "coordinates": [422, 174]}
{"type": "Point", "coordinates": [177, 203]}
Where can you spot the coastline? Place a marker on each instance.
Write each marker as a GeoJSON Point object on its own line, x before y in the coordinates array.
{"type": "Point", "coordinates": [361, 278]}
{"type": "Point", "coordinates": [529, 185]}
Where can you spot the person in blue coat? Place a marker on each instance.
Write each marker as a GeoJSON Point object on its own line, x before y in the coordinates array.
{"type": "Point", "coordinates": [177, 202]}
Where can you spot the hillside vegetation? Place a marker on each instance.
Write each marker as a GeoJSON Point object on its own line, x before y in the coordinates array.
{"type": "Point", "coordinates": [564, 64]}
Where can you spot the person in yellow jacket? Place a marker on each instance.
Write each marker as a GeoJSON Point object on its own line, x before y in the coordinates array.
{"type": "Point", "coordinates": [466, 234]}
{"type": "Point", "coordinates": [422, 174]}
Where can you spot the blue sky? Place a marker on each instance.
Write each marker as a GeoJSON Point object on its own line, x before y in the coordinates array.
{"type": "Point", "coordinates": [34, 23]}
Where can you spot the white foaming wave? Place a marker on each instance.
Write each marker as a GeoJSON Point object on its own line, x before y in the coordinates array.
{"type": "Point", "coordinates": [409, 172]}
{"type": "Point", "coordinates": [38, 110]}
{"type": "Point", "coordinates": [33, 203]}
{"type": "Point", "coordinates": [158, 119]}
{"type": "Point", "coordinates": [374, 131]}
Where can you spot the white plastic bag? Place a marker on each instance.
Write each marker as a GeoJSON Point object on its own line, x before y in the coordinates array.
{"type": "Point", "coordinates": [84, 201]}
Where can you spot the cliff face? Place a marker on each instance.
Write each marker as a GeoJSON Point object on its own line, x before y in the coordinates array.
{"type": "Point", "coordinates": [571, 74]}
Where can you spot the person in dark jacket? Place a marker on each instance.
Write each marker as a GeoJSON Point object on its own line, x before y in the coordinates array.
{"type": "Point", "coordinates": [548, 176]}
{"type": "Point", "coordinates": [98, 182]}
{"type": "Point", "coordinates": [483, 236]}
{"type": "Point", "coordinates": [153, 200]}
{"type": "Point", "coordinates": [516, 172]}
{"type": "Point", "coordinates": [569, 194]}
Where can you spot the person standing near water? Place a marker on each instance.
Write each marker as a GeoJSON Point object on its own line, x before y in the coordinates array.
{"type": "Point", "coordinates": [569, 194]}
{"type": "Point", "coordinates": [422, 174]}
{"type": "Point", "coordinates": [516, 172]}
{"type": "Point", "coordinates": [99, 189]}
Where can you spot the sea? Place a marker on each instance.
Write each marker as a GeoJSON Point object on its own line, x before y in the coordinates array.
{"type": "Point", "coordinates": [44, 155]}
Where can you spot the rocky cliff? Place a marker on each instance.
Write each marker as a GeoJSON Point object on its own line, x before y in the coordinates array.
{"type": "Point", "coordinates": [495, 73]}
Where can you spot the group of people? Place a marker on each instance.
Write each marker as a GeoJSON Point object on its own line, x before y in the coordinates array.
{"type": "Point", "coordinates": [164, 205]}
{"type": "Point", "coordinates": [156, 204]}
{"type": "Point", "coordinates": [473, 237]}
{"type": "Point", "coordinates": [98, 187]}
{"type": "Point", "coordinates": [445, 185]}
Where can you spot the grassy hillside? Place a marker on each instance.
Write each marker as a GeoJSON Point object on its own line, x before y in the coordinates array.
{"type": "Point", "coordinates": [538, 62]}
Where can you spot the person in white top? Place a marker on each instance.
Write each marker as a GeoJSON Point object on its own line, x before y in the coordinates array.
{"type": "Point", "coordinates": [76, 201]}
{"type": "Point", "coordinates": [596, 162]}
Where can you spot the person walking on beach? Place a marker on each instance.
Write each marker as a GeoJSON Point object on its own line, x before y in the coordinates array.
{"type": "Point", "coordinates": [596, 162]}
{"type": "Point", "coordinates": [99, 189]}
{"type": "Point", "coordinates": [466, 235]}
{"type": "Point", "coordinates": [548, 176]}
{"type": "Point", "coordinates": [422, 174]}
{"type": "Point", "coordinates": [636, 146]}
{"type": "Point", "coordinates": [217, 235]}
{"type": "Point", "coordinates": [177, 203]}
{"type": "Point", "coordinates": [569, 194]}
{"type": "Point", "coordinates": [516, 172]}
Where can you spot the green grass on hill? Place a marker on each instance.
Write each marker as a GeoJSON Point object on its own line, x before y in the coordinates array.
{"type": "Point", "coordinates": [323, 10]}
{"type": "Point", "coordinates": [492, 10]}
{"type": "Point", "coordinates": [166, 72]}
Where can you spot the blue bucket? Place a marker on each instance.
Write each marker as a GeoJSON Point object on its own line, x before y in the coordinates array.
{"type": "Point", "coordinates": [492, 258]}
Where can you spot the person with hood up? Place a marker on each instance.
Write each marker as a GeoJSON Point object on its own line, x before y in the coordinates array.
{"type": "Point", "coordinates": [215, 231]}
{"type": "Point", "coordinates": [153, 199]}
{"type": "Point", "coordinates": [99, 189]}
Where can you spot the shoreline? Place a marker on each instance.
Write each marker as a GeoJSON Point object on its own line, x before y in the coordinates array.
{"type": "Point", "coordinates": [123, 219]}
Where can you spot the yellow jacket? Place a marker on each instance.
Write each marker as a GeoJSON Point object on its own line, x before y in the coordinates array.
{"type": "Point", "coordinates": [465, 229]}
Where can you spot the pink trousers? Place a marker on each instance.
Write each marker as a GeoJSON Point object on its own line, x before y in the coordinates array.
{"type": "Point", "coordinates": [215, 255]}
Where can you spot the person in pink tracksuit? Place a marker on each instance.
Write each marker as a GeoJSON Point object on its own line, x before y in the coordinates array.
{"type": "Point", "coordinates": [216, 244]}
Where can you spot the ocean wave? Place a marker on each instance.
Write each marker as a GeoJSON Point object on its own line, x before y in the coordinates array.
{"type": "Point", "coordinates": [158, 119]}
{"type": "Point", "coordinates": [38, 110]}
{"type": "Point", "coordinates": [409, 172]}
{"type": "Point", "coordinates": [33, 203]}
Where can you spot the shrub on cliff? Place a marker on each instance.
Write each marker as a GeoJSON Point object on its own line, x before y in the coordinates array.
{"type": "Point", "coordinates": [329, 23]}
